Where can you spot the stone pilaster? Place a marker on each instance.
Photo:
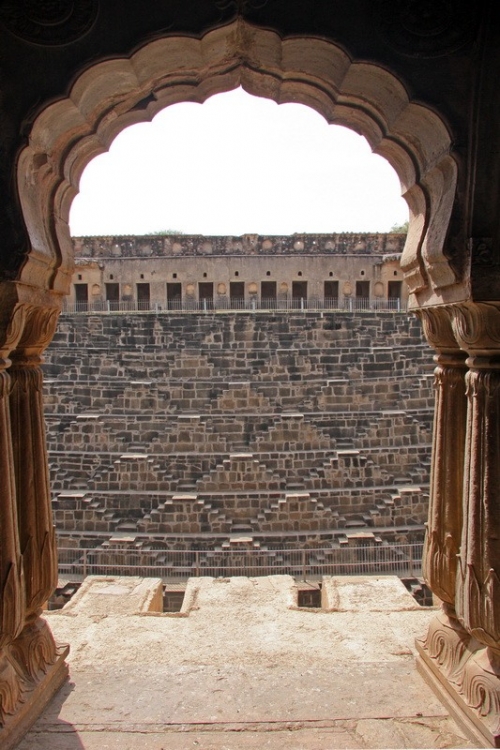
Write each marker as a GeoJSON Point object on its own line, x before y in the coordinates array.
{"type": "Point", "coordinates": [446, 639]}
{"type": "Point", "coordinates": [12, 590]}
{"type": "Point", "coordinates": [31, 665]}
{"type": "Point", "coordinates": [469, 680]}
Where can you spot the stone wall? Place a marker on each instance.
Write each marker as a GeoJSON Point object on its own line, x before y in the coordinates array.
{"type": "Point", "coordinates": [179, 271]}
{"type": "Point", "coordinates": [288, 428]}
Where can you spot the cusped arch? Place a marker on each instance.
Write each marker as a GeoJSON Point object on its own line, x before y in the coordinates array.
{"type": "Point", "coordinates": [114, 94]}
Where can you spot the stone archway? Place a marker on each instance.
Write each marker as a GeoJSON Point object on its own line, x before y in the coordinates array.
{"type": "Point", "coordinates": [105, 99]}
{"type": "Point", "coordinates": [364, 97]}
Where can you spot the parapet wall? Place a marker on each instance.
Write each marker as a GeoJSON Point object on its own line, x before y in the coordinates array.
{"type": "Point", "coordinates": [193, 429]}
{"type": "Point", "coordinates": [175, 245]}
{"type": "Point", "coordinates": [186, 271]}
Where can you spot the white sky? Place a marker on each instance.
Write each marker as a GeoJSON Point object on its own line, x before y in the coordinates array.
{"type": "Point", "coordinates": [237, 164]}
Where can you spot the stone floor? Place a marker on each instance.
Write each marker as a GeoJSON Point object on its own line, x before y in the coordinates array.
{"type": "Point", "coordinates": [241, 667]}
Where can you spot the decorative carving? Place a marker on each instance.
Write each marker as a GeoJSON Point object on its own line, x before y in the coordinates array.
{"type": "Point", "coordinates": [48, 22]}
{"type": "Point", "coordinates": [482, 253]}
{"type": "Point", "coordinates": [478, 584]}
{"type": "Point", "coordinates": [448, 445]}
{"type": "Point", "coordinates": [427, 28]}
{"type": "Point", "coordinates": [34, 651]}
{"type": "Point", "coordinates": [10, 689]}
{"type": "Point", "coordinates": [36, 531]}
{"type": "Point", "coordinates": [436, 323]}
{"type": "Point", "coordinates": [12, 597]}
{"type": "Point", "coordinates": [477, 327]}
{"type": "Point", "coordinates": [446, 643]}
{"type": "Point", "coordinates": [481, 687]}
{"type": "Point", "coordinates": [39, 328]}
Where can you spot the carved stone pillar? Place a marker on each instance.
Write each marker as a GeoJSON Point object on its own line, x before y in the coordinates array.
{"type": "Point", "coordinates": [468, 678]}
{"type": "Point", "coordinates": [478, 583]}
{"type": "Point", "coordinates": [32, 660]}
{"type": "Point", "coordinates": [446, 639]}
{"type": "Point", "coordinates": [12, 591]}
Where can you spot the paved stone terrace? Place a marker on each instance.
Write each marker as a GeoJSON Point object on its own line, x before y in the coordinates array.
{"type": "Point", "coordinates": [242, 667]}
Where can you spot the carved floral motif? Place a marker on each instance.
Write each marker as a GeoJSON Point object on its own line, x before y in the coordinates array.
{"type": "Point", "coordinates": [446, 643]}
{"type": "Point", "coordinates": [427, 28]}
{"type": "Point", "coordinates": [39, 328]}
{"type": "Point", "coordinates": [477, 327]}
{"type": "Point", "coordinates": [481, 688]}
{"type": "Point", "coordinates": [10, 689]}
{"type": "Point", "coordinates": [34, 651]}
{"type": "Point", "coordinates": [48, 22]}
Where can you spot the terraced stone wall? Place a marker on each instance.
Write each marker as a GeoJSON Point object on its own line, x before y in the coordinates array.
{"type": "Point", "coordinates": [193, 430]}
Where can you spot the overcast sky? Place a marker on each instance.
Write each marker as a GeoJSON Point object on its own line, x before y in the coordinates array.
{"type": "Point", "coordinates": [237, 164]}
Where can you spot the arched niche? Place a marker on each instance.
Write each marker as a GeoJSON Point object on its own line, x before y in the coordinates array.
{"type": "Point", "coordinates": [114, 94]}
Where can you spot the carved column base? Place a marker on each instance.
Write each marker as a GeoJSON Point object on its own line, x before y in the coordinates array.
{"type": "Point", "coordinates": [32, 669]}
{"type": "Point", "coordinates": [465, 675]}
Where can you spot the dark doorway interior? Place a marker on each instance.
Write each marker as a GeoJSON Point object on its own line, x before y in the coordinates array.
{"type": "Point", "coordinates": [299, 293]}
{"type": "Point", "coordinates": [237, 294]}
{"type": "Point", "coordinates": [143, 297]}
{"type": "Point", "coordinates": [113, 295]}
{"type": "Point", "coordinates": [174, 296]}
{"type": "Point", "coordinates": [331, 293]}
{"type": "Point", "coordinates": [268, 294]}
{"type": "Point", "coordinates": [82, 296]}
{"type": "Point", "coordinates": [206, 294]}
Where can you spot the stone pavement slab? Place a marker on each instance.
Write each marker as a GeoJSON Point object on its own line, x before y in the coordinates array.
{"type": "Point", "coordinates": [243, 667]}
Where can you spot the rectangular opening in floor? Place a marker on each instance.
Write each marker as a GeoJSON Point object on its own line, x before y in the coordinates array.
{"type": "Point", "coordinates": [62, 595]}
{"type": "Point", "coordinates": [173, 598]}
{"type": "Point", "coordinates": [309, 595]}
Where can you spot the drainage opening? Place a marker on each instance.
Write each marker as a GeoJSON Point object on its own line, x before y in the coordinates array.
{"type": "Point", "coordinates": [62, 595]}
{"type": "Point", "coordinates": [173, 598]}
{"type": "Point", "coordinates": [309, 595]}
{"type": "Point", "coordinates": [419, 590]}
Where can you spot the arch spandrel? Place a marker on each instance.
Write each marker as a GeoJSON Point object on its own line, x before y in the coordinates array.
{"type": "Point", "coordinates": [363, 96]}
